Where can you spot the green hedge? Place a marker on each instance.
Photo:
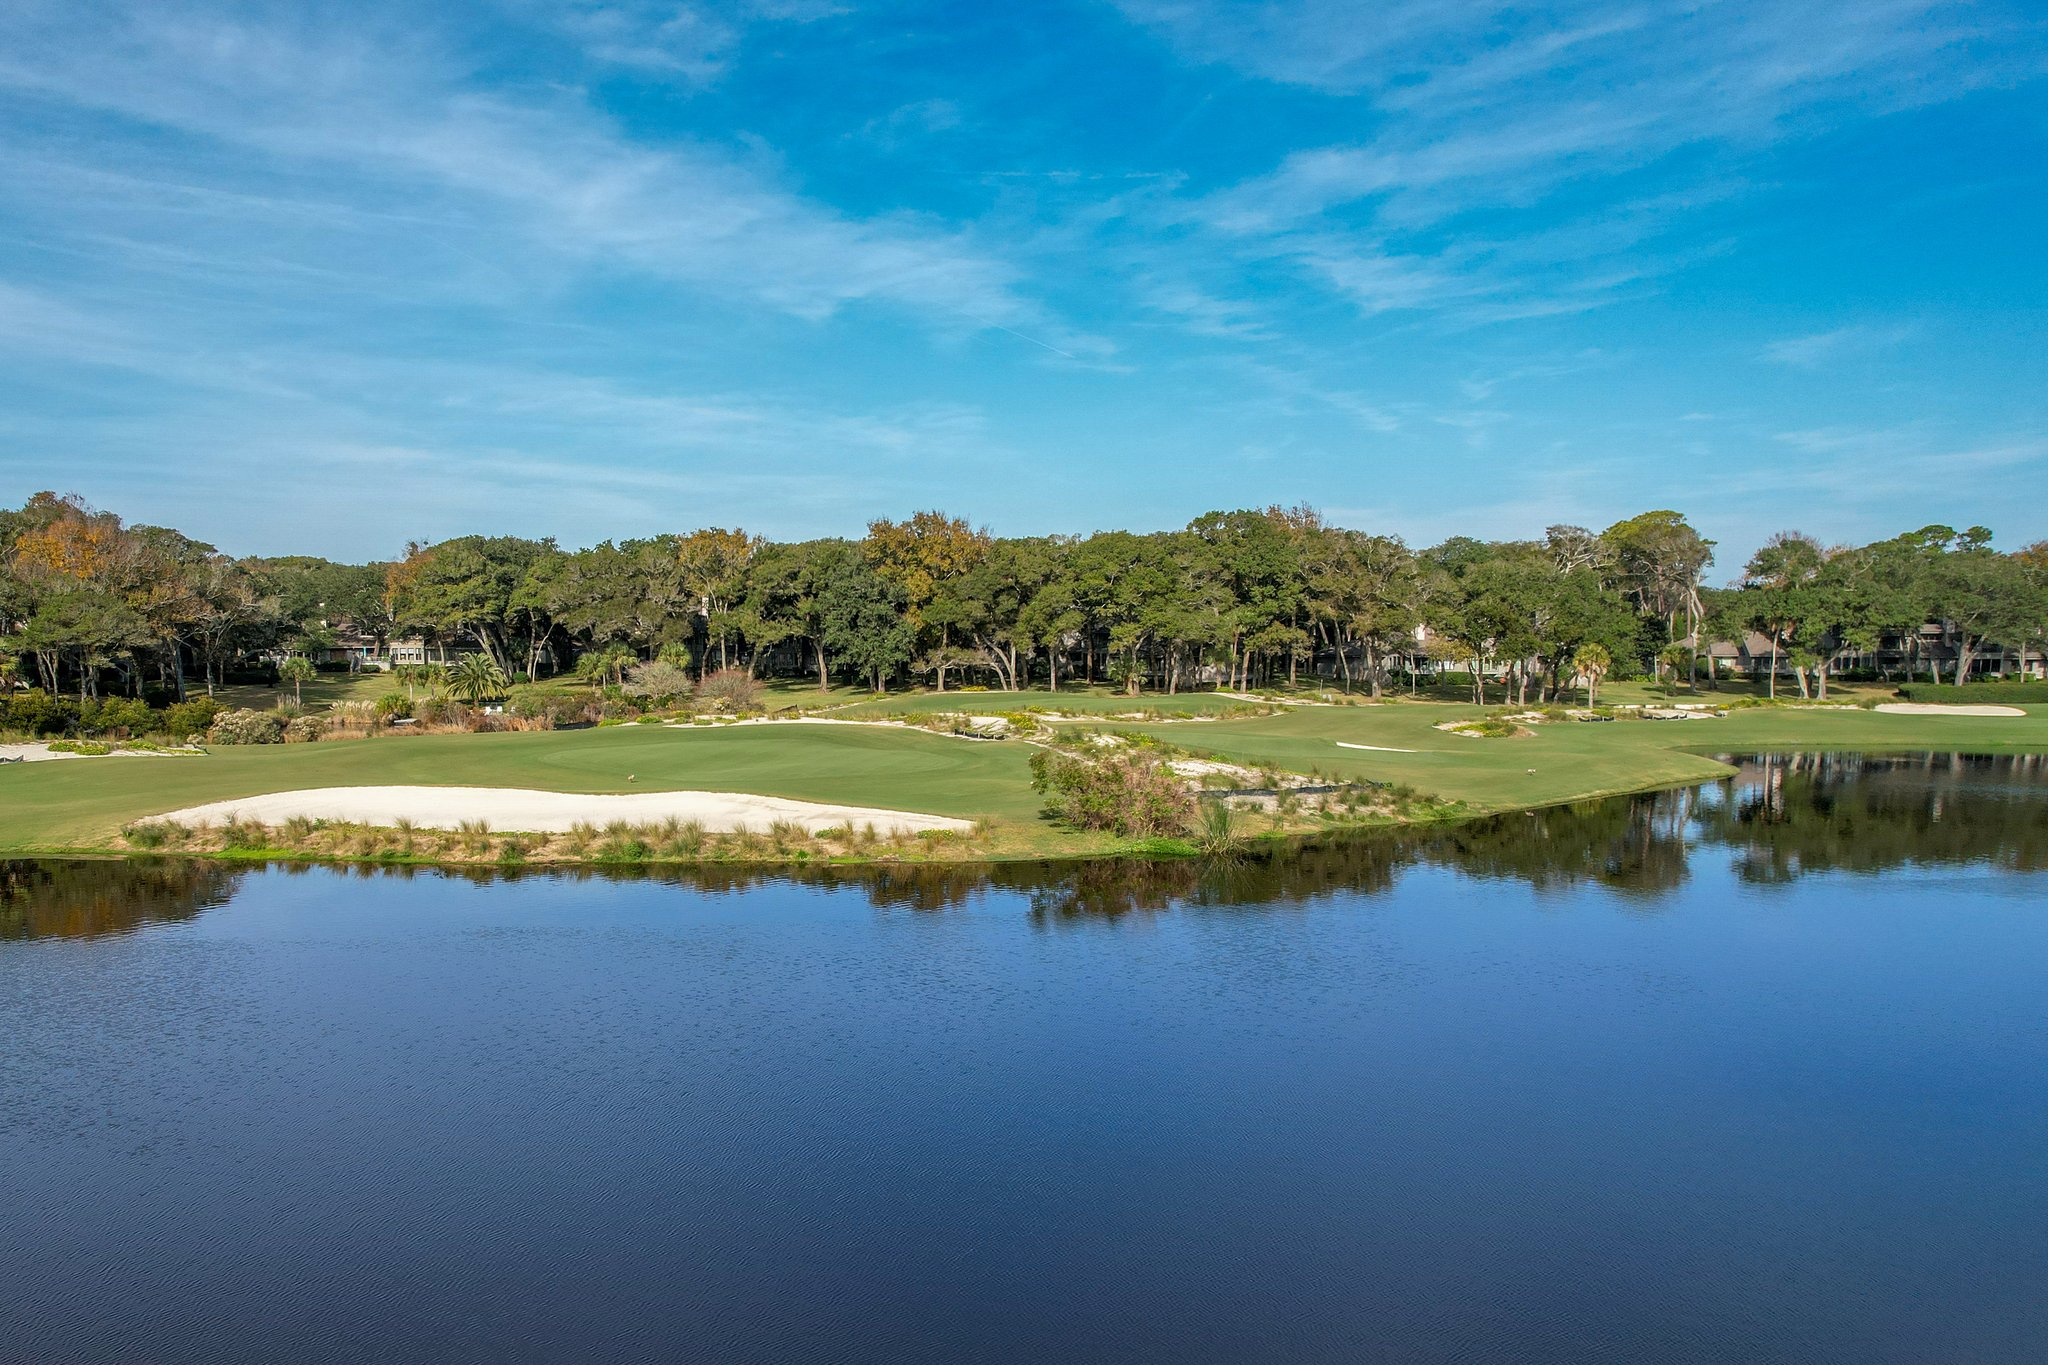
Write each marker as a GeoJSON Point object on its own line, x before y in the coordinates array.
{"type": "Point", "coordinates": [1976, 692]}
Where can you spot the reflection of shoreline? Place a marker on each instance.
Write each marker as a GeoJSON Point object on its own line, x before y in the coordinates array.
{"type": "Point", "coordinates": [1784, 815]}
{"type": "Point", "coordinates": [95, 897]}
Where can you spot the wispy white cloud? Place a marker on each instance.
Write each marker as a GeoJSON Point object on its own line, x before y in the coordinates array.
{"type": "Point", "coordinates": [1476, 109]}
{"type": "Point", "coordinates": [397, 118]}
{"type": "Point", "coordinates": [694, 41]}
{"type": "Point", "coordinates": [1819, 349]}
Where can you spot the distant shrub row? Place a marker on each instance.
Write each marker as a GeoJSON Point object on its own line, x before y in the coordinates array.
{"type": "Point", "coordinates": [39, 713]}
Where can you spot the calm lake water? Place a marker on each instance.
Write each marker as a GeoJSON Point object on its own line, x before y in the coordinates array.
{"type": "Point", "coordinates": [1752, 1073]}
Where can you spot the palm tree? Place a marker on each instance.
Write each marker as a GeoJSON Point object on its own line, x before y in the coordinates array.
{"type": "Point", "coordinates": [412, 675]}
{"type": "Point", "coordinates": [1675, 657]}
{"type": "Point", "coordinates": [475, 678]}
{"type": "Point", "coordinates": [1593, 662]}
{"type": "Point", "coordinates": [297, 670]}
{"type": "Point", "coordinates": [607, 666]}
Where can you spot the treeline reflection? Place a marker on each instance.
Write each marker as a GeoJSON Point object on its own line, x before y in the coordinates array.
{"type": "Point", "coordinates": [1781, 816]}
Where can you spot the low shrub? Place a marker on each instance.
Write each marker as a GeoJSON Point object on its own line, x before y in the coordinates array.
{"type": "Point", "coordinates": [184, 719]}
{"type": "Point", "coordinates": [117, 717]}
{"type": "Point", "coordinates": [394, 706]}
{"type": "Point", "coordinates": [1127, 793]}
{"type": "Point", "coordinates": [246, 727]}
{"type": "Point", "coordinates": [729, 690]}
{"type": "Point", "coordinates": [546, 711]}
{"type": "Point", "coordinates": [90, 748]}
{"type": "Point", "coordinates": [304, 729]}
{"type": "Point", "coordinates": [36, 712]}
{"type": "Point", "coordinates": [659, 681]}
{"type": "Point", "coordinates": [440, 711]}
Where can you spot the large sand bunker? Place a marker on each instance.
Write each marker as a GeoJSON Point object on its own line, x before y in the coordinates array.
{"type": "Point", "coordinates": [1909, 708]}
{"type": "Point", "coordinates": [519, 810]}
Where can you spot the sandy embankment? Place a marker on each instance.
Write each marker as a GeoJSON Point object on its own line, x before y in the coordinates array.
{"type": "Point", "coordinates": [1925, 708]}
{"type": "Point", "coordinates": [518, 810]}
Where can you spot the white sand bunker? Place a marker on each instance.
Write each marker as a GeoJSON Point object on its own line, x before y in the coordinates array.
{"type": "Point", "coordinates": [519, 810]}
{"type": "Point", "coordinates": [1923, 708]}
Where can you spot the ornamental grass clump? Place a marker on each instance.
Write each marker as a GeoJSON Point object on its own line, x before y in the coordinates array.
{"type": "Point", "coordinates": [156, 834]}
{"type": "Point", "coordinates": [241, 836]}
{"type": "Point", "coordinates": [1218, 833]}
{"type": "Point", "coordinates": [623, 844]}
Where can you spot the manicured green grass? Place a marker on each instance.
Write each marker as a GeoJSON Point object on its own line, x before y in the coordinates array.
{"type": "Point", "coordinates": [784, 694]}
{"type": "Point", "coordinates": [1078, 701]}
{"type": "Point", "coordinates": [1571, 760]}
{"type": "Point", "coordinates": [84, 802]}
{"type": "Point", "coordinates": [322, 691]}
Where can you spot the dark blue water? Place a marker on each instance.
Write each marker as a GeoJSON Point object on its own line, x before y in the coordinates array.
{"type": "Point", "coordinates": [1752, 1074]}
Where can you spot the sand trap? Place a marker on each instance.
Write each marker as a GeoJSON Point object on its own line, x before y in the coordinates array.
{"type": "Point", "coordinates": [1206, 767]}
{"type": "Point", "coordinates": [1379, 748]}
{"type": "Point", "coordinates": [516, 809]}
{"type": "Point", "coordinates": [42, 753]}
{"type": "Point", "coordinates": [31, 753]}
{"type": "Point", "coordinates": [1927, 708]}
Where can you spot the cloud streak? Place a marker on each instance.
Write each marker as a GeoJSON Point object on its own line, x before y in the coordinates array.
{"type": "Point", "coordinates": [399, 119]}
{"type": "Point", "coordinates": [1475, 115]}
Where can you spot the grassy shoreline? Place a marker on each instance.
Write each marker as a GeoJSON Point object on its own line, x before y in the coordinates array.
{"type": "Point", "coordinates": [79, 807]}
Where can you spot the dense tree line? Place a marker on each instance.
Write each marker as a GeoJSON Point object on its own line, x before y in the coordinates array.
{"type": "Point", "coordinates": [1235, 599]}
{"type": "Point", "coordinates": [1825, 609]}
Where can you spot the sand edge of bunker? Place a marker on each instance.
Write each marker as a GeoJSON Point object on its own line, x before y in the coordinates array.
{"type": "Point", "coordinates": [532, 811]}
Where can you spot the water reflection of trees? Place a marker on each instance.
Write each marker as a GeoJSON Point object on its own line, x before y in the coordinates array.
{"type": "Point", "coordinates": [1791, 814]}
{"type": "Point", "coordinates": [112, 896]}
{"type": "Point", "coordinates": [1633, 844]}
{"type": "Point", "coordinates": [1783, 815]}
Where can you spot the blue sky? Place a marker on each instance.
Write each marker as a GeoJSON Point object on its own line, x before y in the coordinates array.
{"type": "Point", "coordinates": [329, 278]}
